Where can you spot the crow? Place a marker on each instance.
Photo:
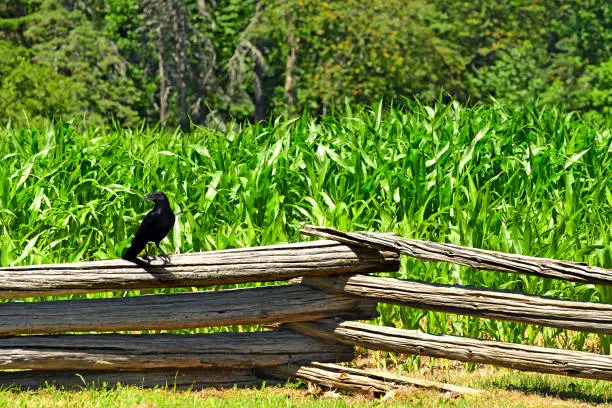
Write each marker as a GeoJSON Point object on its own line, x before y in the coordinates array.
{"type": "Point", "coordinates": [154, 227]}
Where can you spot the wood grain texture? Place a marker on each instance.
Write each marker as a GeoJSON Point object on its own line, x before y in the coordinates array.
{"type": "Point", "coordinates": [511, 355]}
{"type": "Point", "coordinates": [139, 352]}
{"type": "Point", "coordinates": [193, 378]}
{"type": "Point", "coordinates": [486, 303]}
{"type": "Point", "coordinates": [261, 305]}
{"type": "Point", "coordinates": [257, 264]}
{"type": "Point", "coordinates": [355, 380]}
{"type": "Point", "coordinates": [471, 257]}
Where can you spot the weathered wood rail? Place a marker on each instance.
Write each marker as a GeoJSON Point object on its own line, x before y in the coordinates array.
{"type": "Point", "coordinates": [472, 257]}
{"type": "Point", "coordinates": [351, 379]}
{"type": "Point", "coordinates": [156, 351]}
{"type": "Point", "coordinates": [262, 305]}
{"type": "Point", "coordinates": [486, 303]}
{"type": "Point", "coordinates": [258, 264]}
{"type": "Point", "coordinates": [517, 356]}
{"type": "Point", "coordinates": [329, 286]}
{"type": "Point", "coordinates": [181, 378]}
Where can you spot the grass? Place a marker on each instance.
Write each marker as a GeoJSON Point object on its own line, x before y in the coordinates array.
{"type": "Point", "coordinates": [529, 180]}
{"type": "Point", "coordinates": [502, 388]}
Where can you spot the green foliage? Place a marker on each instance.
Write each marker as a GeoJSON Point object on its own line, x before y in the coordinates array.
{"type": "Point", "coordinates": [32, 91]}
{"type": "Point", "coordinates": [100, 60]}
{"type": "Point", "coordinates": [534, 181]}
{"type": "Point", "coordinates": [63, 68]}
{"type": "Point", "coordinates": [595, 88]}
{"type": "Point", "coordinates": [363, 52]}
{"type": "Point", "coordinates": [583, 29]}
{"type": "Point", "coordinates": [518, 75]}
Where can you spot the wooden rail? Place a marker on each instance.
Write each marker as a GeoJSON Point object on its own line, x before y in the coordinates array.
{"type": "Point", "coordinates": [325, 291]}
{"type": "Point", "coordinates": [184, 378]}
{"type": "Point", "coordinates": [472, 257]}
{"type": "Point", "coordinates": [486, 303]}
{"type": "Point", "coordinates": [351, 379]}
{"type": "Point", "coordinates": [140, 352]}
{"type": "Point", "coordinates": [268, 304]}
{"type": "Point", "coordinates": [258, 264]}
{"type": "Point", "coordinates": [511, 355]}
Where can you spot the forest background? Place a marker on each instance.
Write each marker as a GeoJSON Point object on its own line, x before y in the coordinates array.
{"type": "Point", "coordinates": [177, 62]}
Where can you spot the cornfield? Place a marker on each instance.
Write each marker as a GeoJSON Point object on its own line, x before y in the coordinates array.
{"type": "Point", "coordinates": [529, 180]}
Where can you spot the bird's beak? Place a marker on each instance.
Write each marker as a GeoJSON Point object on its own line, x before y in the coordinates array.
{"type": "Point", "coordinates": [149, 197]}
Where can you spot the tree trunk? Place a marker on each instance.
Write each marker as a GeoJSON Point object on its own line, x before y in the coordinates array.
{"type": "Point", "coordinates": [163, 81]}
{"type": "Point", "coordinates": [179, 31]}
{"type": "Point", "coordinates": [291, 57]}
{"type": "Point", "coordinates": [260, 107]}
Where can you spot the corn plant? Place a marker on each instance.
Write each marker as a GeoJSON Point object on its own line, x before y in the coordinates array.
{"type": "Point", "coordinates": [528, 180]}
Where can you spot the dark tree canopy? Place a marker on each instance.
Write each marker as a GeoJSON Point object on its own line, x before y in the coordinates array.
{"type": "Point", "coordinates": [202, 61]}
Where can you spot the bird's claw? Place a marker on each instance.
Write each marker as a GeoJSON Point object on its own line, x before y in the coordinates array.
{"type": "Point", "coordinates": [149, 258]}
{"type": "Point", "coordinates": [165, 258]}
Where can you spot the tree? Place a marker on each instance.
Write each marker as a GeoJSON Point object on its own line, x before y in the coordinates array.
{"type": "Point", "coordinates": [207, 61]}
{"type": "Point", "coordinates": [358, 52]}
{"type": "Point", "coordinates": [63, 63]}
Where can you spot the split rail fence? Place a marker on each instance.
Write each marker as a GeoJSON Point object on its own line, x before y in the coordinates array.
{"type": "Point", "coordinates": [310, 320]}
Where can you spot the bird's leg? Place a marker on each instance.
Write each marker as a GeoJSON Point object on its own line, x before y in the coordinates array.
{"type": "Point", "coordinates": [163, 255]}
{"type": "Point", "coordinates": [147, 256]}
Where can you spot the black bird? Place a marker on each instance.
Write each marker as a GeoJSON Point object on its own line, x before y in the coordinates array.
{"type": "Point", "coordinates": [154, 227]}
